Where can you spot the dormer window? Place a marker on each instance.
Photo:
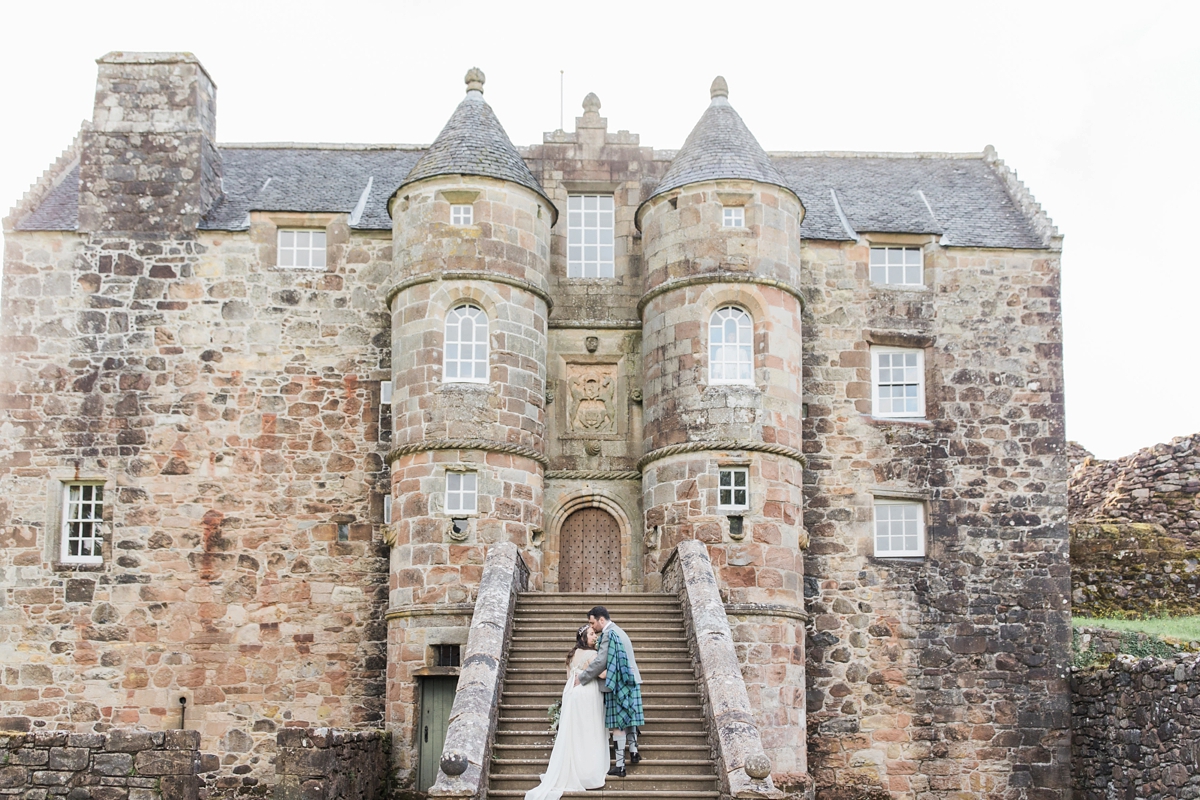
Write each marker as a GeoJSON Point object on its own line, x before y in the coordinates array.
{"type": "Point", "coordinates": [590, 236]}
{"type": "Point", "coordinates": [462, 215]}
{"type": "Point", "coordinates": [301, 248]}
{"type": "Point", "coordinates": [897, 266]}
{"type": "Point", "coordinates": [734, 217]}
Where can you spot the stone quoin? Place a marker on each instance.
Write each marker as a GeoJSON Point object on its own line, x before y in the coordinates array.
{"type": "Point", "coordinates": [265, 410]}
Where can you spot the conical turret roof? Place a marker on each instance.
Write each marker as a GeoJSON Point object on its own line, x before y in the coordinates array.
{"type": "Point", "coordinates": [720, 147]}
{"type": "Point", "coordinates": [473, 142]}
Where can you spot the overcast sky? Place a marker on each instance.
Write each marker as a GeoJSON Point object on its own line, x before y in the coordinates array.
{"type": "Point", "coordinates": [1096, 105]}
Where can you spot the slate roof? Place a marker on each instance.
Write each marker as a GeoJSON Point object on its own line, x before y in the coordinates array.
{"type": "Point", "coordinates": [474, 143]}
{"type": "Point", "coordinates": [969, 201]}
{"type": "Point", "coordinates": [971, 198]}
{"type": "Point", "coordinates": [720, 146]}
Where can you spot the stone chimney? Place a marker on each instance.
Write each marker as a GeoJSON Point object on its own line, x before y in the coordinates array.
{"type": "Point", "coordinates": [150, 162]}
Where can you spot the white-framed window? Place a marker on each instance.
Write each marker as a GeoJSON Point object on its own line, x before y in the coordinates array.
{"type": "Point", "coordinates": [897, 382]}
{"type": "Point", "coordinates": [462, 214]}
{"type": "Point", "coordinates": [462, 492]}
{"type": "Point", "coordinates": [301, 248]}
{"type": "Point", "coordinates": [590, 236]}
{"type": "Point", "coordinates": [466, 353]}
{"type": "Point", "coordinates": [734, 217]}
{"type": "Point", "coordinates": [730, 346]}
{"type": "Point", "coordinates": [82, 523]}
{"type": "Point", "coordinates": [899, 528]}
{"type": "Point", "coordinates": [733, 489]}
{"type": "Point", "coordinates": [897, 266]}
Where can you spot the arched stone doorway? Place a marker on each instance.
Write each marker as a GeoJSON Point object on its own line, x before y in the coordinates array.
{"type": "Point", "coordinates": [590, 552]}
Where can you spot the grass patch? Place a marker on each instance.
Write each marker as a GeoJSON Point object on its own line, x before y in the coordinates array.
{"type": "Point", "coordinates": [1184, 628]}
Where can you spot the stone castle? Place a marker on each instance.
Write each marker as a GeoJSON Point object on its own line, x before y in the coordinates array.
{"type": "Point", "coordinates": [271, 413]}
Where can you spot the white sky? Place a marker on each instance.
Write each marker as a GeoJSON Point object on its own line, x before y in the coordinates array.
{"type": "Point", "coordinates": [1096, 105]}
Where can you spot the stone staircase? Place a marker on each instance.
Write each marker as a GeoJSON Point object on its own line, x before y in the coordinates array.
{"type": "Point", "coordinates": [676, 760]}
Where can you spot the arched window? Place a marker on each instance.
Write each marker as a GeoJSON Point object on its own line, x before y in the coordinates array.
{"type": "Point", "coordinates": [730, 350]}
{"type": "Point", "coordinates": [466, 353]}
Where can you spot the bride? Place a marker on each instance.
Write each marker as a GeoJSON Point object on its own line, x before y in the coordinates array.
{"type": "Point", "coordinates": [579, 759]}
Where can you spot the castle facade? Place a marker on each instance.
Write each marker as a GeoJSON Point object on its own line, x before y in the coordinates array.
{"type": "Point", "coordinates": [265, 408]}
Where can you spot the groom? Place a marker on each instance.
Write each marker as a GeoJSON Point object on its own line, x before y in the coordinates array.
{"type": "Point", "coordinates": [622, 685]}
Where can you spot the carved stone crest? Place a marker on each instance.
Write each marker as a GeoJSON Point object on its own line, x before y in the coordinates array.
{"type": "Point", "coordinates": [592, 409]}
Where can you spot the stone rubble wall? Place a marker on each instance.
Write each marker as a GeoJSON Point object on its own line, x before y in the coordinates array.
{"type": "Point", "coordinates": [1120, 568]}
{"type": "Point", "coordinates": [1137, 729]}
{"type": "Point", "coordinates": [328, 764]}
{"type": "Point", "coordinates": [940, 677]}
{"type": "Point", "coordinates": [119, 765]}
{"type": "Point", "coordinates": [1159, 485]}
{"type": "Point", "coordinates": [231, 409]}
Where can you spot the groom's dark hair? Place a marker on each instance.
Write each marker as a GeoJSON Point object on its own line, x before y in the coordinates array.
{"type": "Point", "coordinates": [599, 612]}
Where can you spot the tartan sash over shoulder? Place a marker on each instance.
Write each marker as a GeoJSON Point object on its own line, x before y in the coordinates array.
{"type": "Point", "coordinates": [623, 701]}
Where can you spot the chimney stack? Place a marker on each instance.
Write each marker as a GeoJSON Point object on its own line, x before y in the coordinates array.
{"type": "Point", "coordinates": [150, 161]}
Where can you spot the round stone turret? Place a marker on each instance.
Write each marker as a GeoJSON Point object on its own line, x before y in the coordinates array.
{"type": "Point", "coordinates": [469, 307]}
{"type": "Point", "coordinates": [723, 361]}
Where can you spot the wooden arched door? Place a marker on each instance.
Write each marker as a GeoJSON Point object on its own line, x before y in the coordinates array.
{"type": "Point", "coordinates": [589, 550]}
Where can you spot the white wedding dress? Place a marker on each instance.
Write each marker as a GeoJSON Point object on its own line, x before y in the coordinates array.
{"type": "Point", "coordinates": [579, 759]}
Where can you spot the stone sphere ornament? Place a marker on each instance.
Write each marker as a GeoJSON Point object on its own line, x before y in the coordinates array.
{"type": "Point", "coordinates": [454, 763]}
{"type": "Point", "coordinates": [758, 766]}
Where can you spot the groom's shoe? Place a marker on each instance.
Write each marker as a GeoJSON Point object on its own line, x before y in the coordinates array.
{"type": "Point", "coordinates": [635, 758]}
{"type": "Point", "coordinates": [618, 772]}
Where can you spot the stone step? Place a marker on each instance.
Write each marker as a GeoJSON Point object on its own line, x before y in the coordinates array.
{"type": "Point", "coordinates": [541, 735]}
{"type": "Point", "coordinates": [635, 781]}
{"type": "Point", "coordinates": [653, 724]}
{"type": "Point", "coordinates": [613, 791]}
{"type": "Point", "coordinates": [657, 709]}
{"type": "Point", "coordinates": [649, 751]}
{"type": "Point", "coordinates": [648, 766]}
{"type": "Point", "coordinates": [548, 694]}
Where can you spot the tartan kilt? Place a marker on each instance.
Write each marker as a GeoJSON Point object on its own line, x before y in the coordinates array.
{"type": "Point", "coordinates": [623, 707]}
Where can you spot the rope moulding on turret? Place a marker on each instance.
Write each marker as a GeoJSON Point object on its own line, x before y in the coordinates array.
{"type": "Point", "coordinates": [718, 277]}
{"type": "Point", "coordinates": [486, 445]}
{"type": "Point", "coordinates": [726, 444]}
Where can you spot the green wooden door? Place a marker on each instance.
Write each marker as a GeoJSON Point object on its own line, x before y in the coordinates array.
{"type": "Point", "coordinates": [437, 696]}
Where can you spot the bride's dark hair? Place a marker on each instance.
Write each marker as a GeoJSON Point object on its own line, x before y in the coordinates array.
{"type": "Point", "coordinates": [581, 643]}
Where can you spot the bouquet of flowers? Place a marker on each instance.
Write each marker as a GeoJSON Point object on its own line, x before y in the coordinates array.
{"type": "Point", "coordinates": [554, 712]}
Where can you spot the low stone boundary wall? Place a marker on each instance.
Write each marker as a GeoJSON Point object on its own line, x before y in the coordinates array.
{"type": "Point", "coordinates": [119, 765]}
{"type": "Point", "coordinates": [328, 764]}
{"type": "Point", "coordinates": [1136, 729]}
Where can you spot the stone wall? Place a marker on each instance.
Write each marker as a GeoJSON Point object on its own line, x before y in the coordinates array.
{"type": "Point", "coordinates": [1159, 484]}
{"type": "Point", "coordinates": [1133, 568]}
{"type": "Point", "coordinates": [230, 408]}
{"type": "Point", "coordinates": [328, 764]}
{"type": "Point", "coordinates": [942, 676]}
{"type": "Point", "coordinates": [1137, 729]}
{"type": "Point", "coordinates": [122, 765]}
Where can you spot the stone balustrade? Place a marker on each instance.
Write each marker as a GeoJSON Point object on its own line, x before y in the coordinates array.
{"type": "Point", "coordinates": [467, 751]}
{"type": "Point", "coordinates": [743, 766]}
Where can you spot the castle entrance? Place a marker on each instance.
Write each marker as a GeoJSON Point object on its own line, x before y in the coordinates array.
{"type": "Point", "coordinates": [590, 552]}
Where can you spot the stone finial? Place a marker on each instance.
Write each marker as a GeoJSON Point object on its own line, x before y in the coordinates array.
{"type": "Point", "coordinates": [719, 88]}
{"type": "Point", "coordinates": [454, 763]}
{"type": "Point", "coordinates": [475, 79]}
{"type": "Point", "coordinates": [758, 766]}
{"type": "Point", "coordinates": [591, 103]}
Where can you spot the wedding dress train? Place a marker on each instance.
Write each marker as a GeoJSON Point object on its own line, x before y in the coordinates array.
{"type": "Point", "coordinates": [579, 759]}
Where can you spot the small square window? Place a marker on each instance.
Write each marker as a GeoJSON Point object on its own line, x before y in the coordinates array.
{"type": "Point", "coordinates": [590, 236]}
{"type": "Point", "coordinates": [899, 528]}
{"type": "Point", "coordinates": [461, 492]}
{"type": "Point", "coordinates": [897, 266]}
{"type": "Point", "coordinates": [303, 249]}
{"type": "Point", "coordinates": [733, 491]}
{"type": "Point", "coordinates": [447, 655]}
{"type": "Point", "coordinates": [897, 382]}
{"type": "Point", "coordinates": [462, 214]}
{"type": "Point", "coordinates": [734, 217]}
{"type": "Point", "coordinates": [82, 523]}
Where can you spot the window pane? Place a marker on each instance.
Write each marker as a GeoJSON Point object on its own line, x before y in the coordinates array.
{"type": "Point", "coordinates": [318, 256]}
{"type": "Point", "coordinates": [287, 238]}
